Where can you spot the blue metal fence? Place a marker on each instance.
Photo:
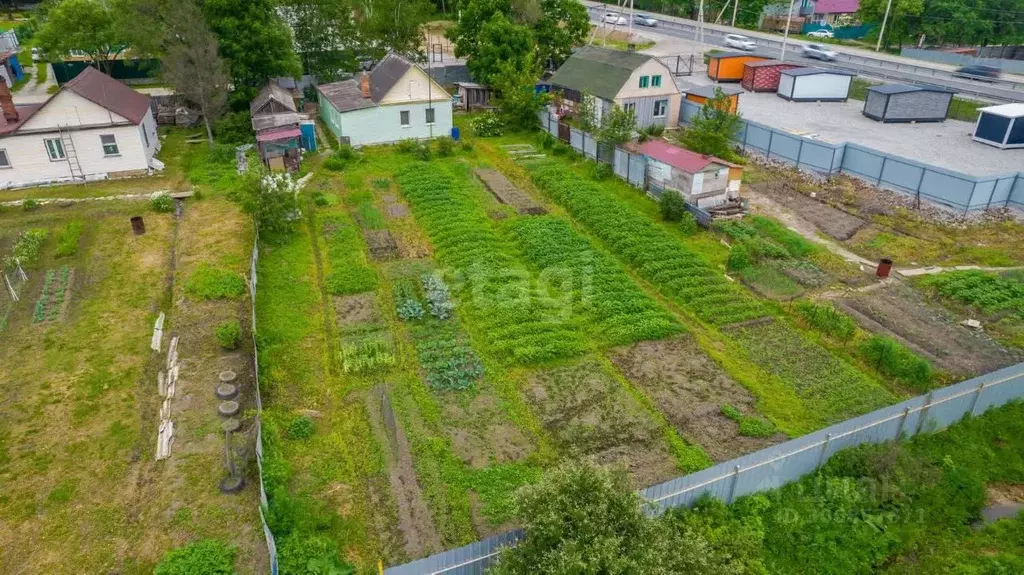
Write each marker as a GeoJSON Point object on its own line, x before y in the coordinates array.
{"type": "Point", "coordinates": [947, 187]}
{"type": "Point", "coordinates": [777, 465]}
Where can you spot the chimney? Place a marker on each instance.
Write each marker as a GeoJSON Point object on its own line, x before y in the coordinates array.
{"type": "Point", "coordinates": [364, 83]}
{"type": "Point", "coordinates": [10, 113]}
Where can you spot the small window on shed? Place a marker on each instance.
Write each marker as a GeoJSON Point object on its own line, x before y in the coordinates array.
{"type": "Point", "coordinates": [644, 81]}
{"type": "Point", "coordinates": [656, 81]}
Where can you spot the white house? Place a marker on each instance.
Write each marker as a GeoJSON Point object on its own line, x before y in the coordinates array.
{"type": "Point", "coordinates": [93, 128]}
{"type": "Point", "coordinates": [395, 101]}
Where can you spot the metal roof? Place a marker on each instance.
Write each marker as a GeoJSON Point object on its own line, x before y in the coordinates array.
{"type": "Point", "coordinates": [105, 91]}
{"type": "Point", "coordinates": [767, 63]}
{"type": "Point", "coordinates": [677, 157]}
{"type": "Point", "coordinates": [812, 71]}
{"type": "Point", "coordinates": [709, 91]}
{"type": "Point", "coordinates": [1007, 110]}
{"type": "Point", "coordinates": [272, 92]}
{"type": "Point", "coordinates": [347, 95]}
{"type": "Point", "coordinates": [905, 88]}
{"type": "Point", "coordinates": [723, 55]}
{"type": "Point", "coordinates": [598, 71]}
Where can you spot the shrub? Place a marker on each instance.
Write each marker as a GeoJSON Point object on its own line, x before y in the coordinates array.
{"type": "Point", "coordinates": [488, 124]}
{"type": "Point", "coordinates": [672, 206]}
{"type": "Point", "coordinates": [546, 140]}
{"type": "Point", "coordinates": [467, 146]}
{"type": "Point", "coordinates": [334, 164]}
{"type": "Point", "coordinates": [445, 147]}
{"type": "Point", "coordinates": [688, 224]}
{"type": "Point", "coordinates": [162, 204]}
{"type": "Point", "coordinates": [269, 199]}
{"type": "Point", "coordinates": [27, 249]}
{"type": "Point", "coordinates": [206, 557]}
{"type": "Point", "coordinates": [208, 282]}
{"type": "Point", "coordinates": [234, 128]}
{"type": "Point", "coordinates": [301, 427]}
{"type": "Point", "coordinates": [67, 241]}
{"type": "Point", "coordinates": [601, 171]}
{"type": "Point", "coordinates": [888, 356]}
{"type": "Point", "coordinates": [422, 152]}
{"type": "Point", "coordinates": [311, 555]}
{"type": "Point", "coordinates": [228, 334]}
{"type": "Point", "coordinates": [826, 319]}
{"type": "Point", "coordinates": [739, 257]}
{"type": "Point", "coordinates": [407, 145]}
{"type": "Point", "coordinates": [29, 205]}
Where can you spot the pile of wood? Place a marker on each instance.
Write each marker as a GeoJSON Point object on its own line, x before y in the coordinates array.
{"type": "Point", "coordinates": [166, 382]}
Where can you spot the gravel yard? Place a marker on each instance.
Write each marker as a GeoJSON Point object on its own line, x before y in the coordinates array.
{"type": "Point", "coordinates": [945, 144]}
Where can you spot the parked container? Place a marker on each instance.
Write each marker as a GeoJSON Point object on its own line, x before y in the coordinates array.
{"type": "Point", "coordinates": [1001, 126]}
{"type": "Point", "coordinates": [814, 85]}
{"type": "Point", "coordinates": [701, 94]}
{"type": "Point", "coordinates": [903, 103]}
{"type": "Point", "coordinates": [728, 66]}
{"type": "Point", "coordinates": [763, 76]}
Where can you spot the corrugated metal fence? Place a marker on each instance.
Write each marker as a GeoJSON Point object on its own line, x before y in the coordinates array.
{"type": "Point", "coordinates": [271, 547]}
{"type": "Point", "coordinates": [779, 464]}
{"type": "Point", "coordinates": [924, 181]}
{"type": "Point", "coordinates": [625, 164]}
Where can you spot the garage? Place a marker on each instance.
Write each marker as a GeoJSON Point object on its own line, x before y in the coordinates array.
{"type": "Point", "coordinates": [728, 66]}
{"type": "Point", "coordinates": [764, 76]}
{"type": "Point", "coordinates": [814, 85]}
{"type": "Point", "coordinates": [1001, 126]}
{"type": "Point", "coordinates": [904, 103]}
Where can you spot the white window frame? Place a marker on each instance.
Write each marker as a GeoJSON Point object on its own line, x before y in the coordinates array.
{"type": "Point", "coordinates": [427, 113]}
{"type": "Point", "coordinates": [145, 136]}
{"type": "Point", "coordinates": [6, 165]}
{"type": "Point", "coordinates": [407, 122]}
{"type": "Point", "coordinates": [629, 106]}
{"type": "Point", "coordinates": [664, 109]}
{"type": "Point", "coordinates": [117, 149]}
{"type": "Point", "coordinates": [57, 147]}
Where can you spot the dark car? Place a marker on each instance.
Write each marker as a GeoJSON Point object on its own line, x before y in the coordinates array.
{"type": "Point", "coordinates": [978, 72]}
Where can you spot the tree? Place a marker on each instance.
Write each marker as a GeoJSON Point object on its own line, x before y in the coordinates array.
{"type": "Point", "coordinates": [256, 43]}
{"type": "Point", "coordinates": [270, 200]}
{"type": "Point", "coordinates": [901, 22]}
{"type": "Point", "coordinates": [672, 205]}
{"type": "Point", "coordinates": [192, 64]}
{"type": "Point", "coordinates": [564, 24]}
{"type": "Point", "coordinates": [618, 125]}
{"type": "Point", "coordinates": [586, 113]}
{"type": "Point", "coordinates": [712, 129]}
{"type": "Point", "coordinates": [502, 42]}
{"type": "Point", "coordinates": [519, 102]}
{"type": "Point", "coordinates": [392, 25]}
{"type": "Point", "coordinates": [90, 26]}
{"type": "Point", "coordinates": [324, 30]}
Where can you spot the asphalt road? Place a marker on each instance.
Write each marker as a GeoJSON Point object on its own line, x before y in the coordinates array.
{"type": "Point", "coordinates": [999, 91]}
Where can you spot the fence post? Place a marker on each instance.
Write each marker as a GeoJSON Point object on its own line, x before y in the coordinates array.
{"type": "Point", "coordinates": [903, 422]}
{"type": "Point", "coordinates": [924, 412]}
{"type": "Point", "coordinates": [799, 152]}
{"type": "Point", "coordinates": [771, 137]}
{"type": "Point", "coordinates": [917, 199]}
{"type": "Point", "coordinates": [746, 130]}
{"type": "Point", "coordinates": [824, 450]}
{"type": "Point", "coordinates": [735, 480]}
{"type": "Point", "coordinates": [628, 162]}
{"type": "Point", "coordinates": [882, 171]}
{"type": "Point", "coordinates": [977, 396]}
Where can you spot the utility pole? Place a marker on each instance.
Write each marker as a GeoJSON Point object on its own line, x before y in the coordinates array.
{"type": "Point", "coordinates": [718, 19]}
{"type": "Point", "coordinates": [888, 7]}
{"type": "Point", "coordinates": [699, 33]}
{"type": "Point", "coordinates": [735, 5]}
{"type": "Point", "coordinates": [785, 35]}
{"type": "Point", "coordinates": [629, 39]}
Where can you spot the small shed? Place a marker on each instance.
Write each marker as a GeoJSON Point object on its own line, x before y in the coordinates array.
{"type": "Point", "coordinates": [728, 66]}
{"type": "Point", "coordinates": [763, 76]}
{"type": "Point", "coordinates": [703, 181]}
{"type": "Point", "coordinates": [902, 103]}
{"type": "Point", "coordinates": [814, 85]}
{"type": "Point", "coordinates": [1001, 126]}
{"type": "Point", "coordinates": [473, 96]}
{"type": "Point", "coordinates": [701, 94]}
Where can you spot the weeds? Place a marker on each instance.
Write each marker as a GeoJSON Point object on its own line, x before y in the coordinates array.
{"type": "Point", "coordinates": [67, 240]}
{"type": "Point", "coordinates": [208, 282]}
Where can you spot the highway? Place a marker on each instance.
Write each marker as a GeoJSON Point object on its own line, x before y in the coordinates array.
{"type": "Point", "coordinates": [999, 91]}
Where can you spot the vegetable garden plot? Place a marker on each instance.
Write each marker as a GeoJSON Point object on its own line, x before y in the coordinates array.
{"type": "Point", "coordinates": [661, 258]}
{"type": "Point", "coordinates": [590, 414]}
{"type": "Point", "coordinates": [507, 193]}
{"type": "Point", "coordinates": [54, 297]}
{"type": "Point", "coordinates": [828, 386]}
{"type": "Point", "coordinates": [692, 391]}
{"type": "Point", "coordinates": [600, 289]}
{"type": "Point", "coordinates": [521, 321]}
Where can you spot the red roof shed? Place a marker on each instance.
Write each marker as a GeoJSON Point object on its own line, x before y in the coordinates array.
{"type": "Point", "coordinates": [764, 76]}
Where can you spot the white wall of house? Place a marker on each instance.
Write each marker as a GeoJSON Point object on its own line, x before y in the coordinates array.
{"type": "Point", "coordinates": [148, 135]}
{"type": "Point", "coordinates": [31, 165]}
{"type": "Point", "coordinates": [382, 124]}
{"type": "Point", "coordinates": [69, 109]}
{"type": "Point", "coordinates": [414, 86]}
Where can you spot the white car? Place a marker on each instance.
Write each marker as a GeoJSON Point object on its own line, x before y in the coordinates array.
{"type": "Point", "coordinates": [821, 33]}
{"type": "Point", "coordinates": [739, 42]}
{"type": "Point", "coordinates": [644, 20]}
{"type": "Point", "coordinates": [819, 52]}
{"type": "Point", "coordinates": [615, 18]}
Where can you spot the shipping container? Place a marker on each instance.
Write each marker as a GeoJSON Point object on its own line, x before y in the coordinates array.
{"type": "Point", "coordinates": [763, 76]}
{"type": "Point", "coordinates": [701, 94]}
{"type": "Point", "coordinates": [728, 66]}
{"type": "Point", "coordinates": [1001, 126]}
{"type": "Point", "coordinates": [814, 85]}
{"type": "Point", "coordinates": [903, 103]}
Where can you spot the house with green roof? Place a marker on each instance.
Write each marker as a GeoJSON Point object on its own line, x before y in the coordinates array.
{"type": "Point", "coordinates": [629, 79]}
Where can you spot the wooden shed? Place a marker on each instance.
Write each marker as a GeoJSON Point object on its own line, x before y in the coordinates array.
{"type": "Point", "coordinates": [473, 96]}
{"type": "Point", "coordinates": [814, 85]}
{"type": "Point", "coordinates": [902, 103]}
{"type": "Point", "coordinates": [763, 76]}
{"type": "Point", "coordinates": [1001, 126]}
{"type": "Point", "coordinates": [701, 94]}
{"type": "Point", "coordinates": [728, 66]}
{"type": "Point", "coordinates": [704, 181]}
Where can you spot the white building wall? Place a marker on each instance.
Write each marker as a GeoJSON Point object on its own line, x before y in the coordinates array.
{"type": "Point", "coordinates": [30, 164]}
{"type": "Point", "coordinates": [148, 126]}
{"type": "Point", "coordinates": [69, 109]}
{"type": "Point", "coordinates": [821, 87]}
{"type": "Point", "coordinates": [414, 86]}
{"type": "Point", "coordinates": [786, 85]}
{"type": "Point", "coordinates": [382, 124]}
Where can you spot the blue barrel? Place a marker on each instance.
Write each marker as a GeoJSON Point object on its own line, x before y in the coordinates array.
{"type": "Point", "coordinates": [455, 134]}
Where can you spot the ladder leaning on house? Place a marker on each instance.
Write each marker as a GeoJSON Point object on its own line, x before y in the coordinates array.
{"type": "Point", "coordinates": [70, 154]}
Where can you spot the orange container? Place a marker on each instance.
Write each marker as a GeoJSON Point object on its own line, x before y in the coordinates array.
{"type": "Point", "coordinates": [728, 66]}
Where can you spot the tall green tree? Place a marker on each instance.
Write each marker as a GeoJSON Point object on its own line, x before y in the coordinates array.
{"type": "Point", "coordinates": [562, 25]}
{"type": "Point", "coordinates": [618, 125]}
{"type": "Point", "coordinates": [502, 43]}
{"type": "Point", "coordinates": [91, 26]}
{"type": "Point", "coordinates": [256, 42]}
{"type": "Point", "coordinates": [519, 102]}
{"type": "Point", "coordinates": [712, 129]}
{"type": "Point", "coordinates": [903, 19]}
{"type": "Point", "coordinates": [324, 32]}
{"type": "Point", "coordinates": [393, 25]}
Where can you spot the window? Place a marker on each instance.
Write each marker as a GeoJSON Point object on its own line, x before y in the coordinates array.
{"type": "Point", "coordinates": [660, 107]}
{"type": "Point", "coordinates": [109, 145]}
{"type": "Point", "coordinates": [656, 81]}
{"type": "Point", "coordinates": [430, 115]}
{"type": "Point", "coordinates": [403, 118]}
{"type": "Point", "coordinates": [644, 81]}
{"type": "Point", "coordinates": [54, 149]}
{"type": "Point", "coordinates": [5, 162]}
{"type": "Point", "coordinates": [629, 107]}
{"type": "Point", "coordinates": [145, 136]}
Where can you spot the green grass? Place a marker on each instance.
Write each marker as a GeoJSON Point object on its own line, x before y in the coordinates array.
{"type": "Point", "coordinates": [346, 269]}
{"type": "Point", "coordinates": [208, 282]}
{"type": "Point", "coordinates": [42, 70]}
{"type": "Point", "coordinates": [67, 239]}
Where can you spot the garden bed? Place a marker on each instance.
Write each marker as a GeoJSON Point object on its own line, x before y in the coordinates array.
{"type": "Point", "coordinates": [507, 193]}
